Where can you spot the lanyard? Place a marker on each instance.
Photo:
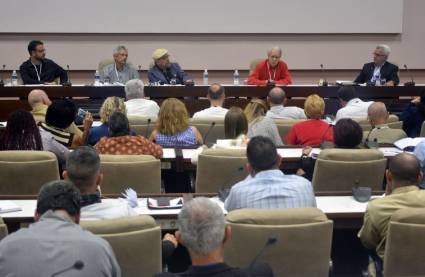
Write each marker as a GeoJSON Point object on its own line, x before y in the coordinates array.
{"type": "Point", "coordinates": [116, 72]}
{"type": "Point", "coordinates": [274, 72]}
{"type": "Point", "coordinates": [36, 71]}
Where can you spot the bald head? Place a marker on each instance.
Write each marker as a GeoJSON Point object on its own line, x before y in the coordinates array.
{"type": "Point", "coordinates": [38, 97]}
{"type": "Point", "coordinates": [404, 170]}
{"type": "Point", "coordinates": [216, 94]}
{"type": "Point", "coordinates": [276, 96]}
{"type": "Point", "coordinates": [377, 113]}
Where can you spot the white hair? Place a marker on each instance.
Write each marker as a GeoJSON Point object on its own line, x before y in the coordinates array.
{"type": "Point", "coordinates": [202, 226]}
{"type": "Point", "coordinates": [385, 48]}
{"type": "Point", "coordinates": [119, 48]}
{"type": "Point", "coordinates": [134, 89]}
{"type": "Point", "coordinates": [275, 48]}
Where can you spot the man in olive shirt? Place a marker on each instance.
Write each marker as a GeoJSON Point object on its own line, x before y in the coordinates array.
{"type": "Point", "coordinates": [39, 70]}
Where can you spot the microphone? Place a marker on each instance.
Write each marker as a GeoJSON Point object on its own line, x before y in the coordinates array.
{"type": "Point", "coordinates": [270, 241]}
{"type": "Point", "coordinates": [325, 144]}
{"type": "Point", "coordinates": [208, 132]}
{"type": "Point", "coordinates": [323, 81]}
{"type": "Point", "coordinates": [412, 82]}
{"type": "Point", "coordinates": [67, 83]}
{"type": "Point", "coordinates": [371, 144]}
{"type": "Point", "coordinates": [1, 76]}
{"type": "Point", "coordinates": [147, 127]}
{"type": "Point", "coordinates": [78, 265]}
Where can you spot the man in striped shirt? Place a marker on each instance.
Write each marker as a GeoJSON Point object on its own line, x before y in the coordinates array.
{"type": "Point", "coordinates": [267, 186]}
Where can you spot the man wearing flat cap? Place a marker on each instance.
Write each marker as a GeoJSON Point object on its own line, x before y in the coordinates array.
{"type": "Point", "coordinates": [166, 72]}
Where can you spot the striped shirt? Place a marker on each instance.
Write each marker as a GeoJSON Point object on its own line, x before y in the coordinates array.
{"type": "Point", "coordinates": [271, 189]}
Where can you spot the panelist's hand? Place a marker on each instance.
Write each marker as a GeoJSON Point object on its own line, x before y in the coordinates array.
{"type": "Point", "coordinates": [88, 121]}
{"type": "Point", "coordinates": [416, 100]}
{"type": "Point", "coordinates": [271, 83]}
{"type": "Point", "coordinates": [50, 83]}
{"type": "Point", "coordinates": [189, 82]}
{"type": "Point", "coordinates": [389, 84]}
{"type": "Point", "coordinates": [171, 238]}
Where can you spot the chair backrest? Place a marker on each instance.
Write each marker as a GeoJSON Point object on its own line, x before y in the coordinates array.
{"type": "Point", "coordinates": [136, 242]}
{"type": "Point", "coordinates": [139, 172]}
{"type": "Point", "coordinates": [219, 168]}
{"type": "Point", "coordinates": [253, 64]}
{"type": "Point", "coordinates": [285, 125]}
{"type": "Point", "coordinates": [204, 124]}
{"type": "Point", "coordinates": [303, 246]}
{"type": "Point", "coordinates": [342, 169]}
{"type": "Point", "coordinates": [104, 63]}
{"type": "Point", "coordinates": [393, 122]}
{"type": "Point", "coordinates": [24, 172]}
{"type": "Point", "coordinates": [3, 229]}
{"type": "Point", "coordinates": [141, 125]}
{"type": "Point", "coordinates": [406, 233]}
{"type": "Point", "coordinates": [422, 134]}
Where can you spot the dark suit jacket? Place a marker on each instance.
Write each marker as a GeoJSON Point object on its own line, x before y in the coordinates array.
{"type": "Point", "coordinates": [155, 74]}
{"type": "Point", "coordinates": [389, 72]}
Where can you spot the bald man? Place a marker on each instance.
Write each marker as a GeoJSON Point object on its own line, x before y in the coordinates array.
{"type": "Point", "coordinates": [403, 177]}
{"type": "Point", "coordinates": [39, 101]}
{"type": "Point", "coordinates": [277, 101]}
{"type": "Point", "coordinates": [271, 71]}
{"type": "Point", "coordinates": [378, 116]}
{"type": "Point", "coordinates": [216, 97]}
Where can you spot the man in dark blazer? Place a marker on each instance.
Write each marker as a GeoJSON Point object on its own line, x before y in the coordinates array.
{"type": "Point", "coordinates": [379, 72]}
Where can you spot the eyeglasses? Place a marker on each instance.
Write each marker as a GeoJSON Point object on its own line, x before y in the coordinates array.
{"type": "Point", "coordinates": [379, 55]}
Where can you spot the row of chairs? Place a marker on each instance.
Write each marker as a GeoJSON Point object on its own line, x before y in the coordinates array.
{"type": "Point", "coordinates": [335, 170]}
{"type": "Point", "coordinates": [302, 248]}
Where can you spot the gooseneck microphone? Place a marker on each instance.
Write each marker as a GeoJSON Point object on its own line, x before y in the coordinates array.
{"type": "Point", "coordinates": [147, 128]}
{"type": "Point", "coordinates": [67, 83]}
{"type": "Point", "coordinates": [208, 132]}
{"type": "Point", "coordinates": [324, 82]}
{"type": "Point", "coordinates": [412, 82]}
{"type": "Point", "coordinates": [269, 242]}
{"type": "Point", "coordinates": [78, 265]}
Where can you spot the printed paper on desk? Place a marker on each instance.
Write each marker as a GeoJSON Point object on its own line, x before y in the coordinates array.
{"type": "Point", "coordinates": [7, 206]}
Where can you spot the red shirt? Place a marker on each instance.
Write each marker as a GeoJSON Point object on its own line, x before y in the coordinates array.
{"type": "Point", "coordinates": [263, 72]}
{"type": "Point", "coordinates": [310, 132]}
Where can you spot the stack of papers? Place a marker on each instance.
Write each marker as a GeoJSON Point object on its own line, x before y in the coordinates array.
{"type": "Point", "coordinates": [7, 206]}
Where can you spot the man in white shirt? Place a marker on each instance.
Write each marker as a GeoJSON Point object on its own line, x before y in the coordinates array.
{"type": "Point", "coordinates": [136, 103]}
{"type": "Point", "coordinates": [352, 106]}
{"type": "Point", "coordinates": [216, 97]}
{"type": "Point", "coordinates": [277, 101]}
{"type": "Point", "coordinates": [83, 170]}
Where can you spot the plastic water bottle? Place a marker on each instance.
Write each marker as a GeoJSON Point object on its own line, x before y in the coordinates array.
{"type": "Point", "coordinates": [236, 78]}
{"type": "Point", "coordinates": [205, 77]}
{"type": "Point", "coordinates": [14, 79]}
{"type": "Point", "coordinates": [96, 78]}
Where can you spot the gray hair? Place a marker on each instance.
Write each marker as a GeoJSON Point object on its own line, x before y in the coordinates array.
{"type": "Point", "coordinates": [134, 89]}
{"type": "Point", "coordinates": [275, 48]}
{"type": "Point", "coordinates": [277, 95]}
{"type": "Point", "coordinates": [202, 226]}
{"type": "Point", "coordinates": [119, 48]}
{"type": "Point", "coordinates": [83, 166]}
{"type": "Point", "coordinates": [385, 48]}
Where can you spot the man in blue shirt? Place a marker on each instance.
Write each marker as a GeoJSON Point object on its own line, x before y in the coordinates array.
{"type": "Point", "coordinates": [267, 186]}
{"type": "Point", "coordinates": [166, 72]}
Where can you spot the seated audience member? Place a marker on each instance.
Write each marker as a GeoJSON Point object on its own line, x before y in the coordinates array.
{"type": "Point", "coordinates": [172, 126]}
{"type": "Point", "coordinates": [403, 176]}
{"type": "Point", "coordinates": [119, 71]}
{"type": "Point", "coordinates": [120, 142]}
{"type": "Point", "coordinates": [277, 101]}
{"type": "Point", "coordinates": [420, 155]}
{"type": "Point", "coordinates": [235, 123]}
{"type": "Point", "coordinates": [258, 124]}
{"type": "Point", "coordinates": [380, 70]}
{"type": "Point", "coordinates": [59, 116]}
{"type": "Point", "coordinates": [352, 106]}
{"type": "Point", "coordinates": [202, 230]}
{"type": "Point", "coordinates": [266, 186]}
{"type": "Point", "coordinates": [55, 241]}
{"type": "Point", "coordinates": [110, 105]}
{"type": "Point", "coordinates": [166, 72]}
{"type": "Point", "coordinates": [39, 70]}
{"type": "Point", "coordinates": [380, 132]}
{"type": "Point", "coordinates": [313, 131]}
{"type": "Point", "coordinates": [23, 134]}
{"type": "Point", "coordinates": [216, 97]}
{"type": "Point", "coordinates": [413, 116]}
{"type": "Point", "coordinates": [271, 71]}
{"type": "Point", "coordinates": [137, 104]}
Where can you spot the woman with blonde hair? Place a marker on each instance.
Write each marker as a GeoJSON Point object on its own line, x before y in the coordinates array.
{"type": "Point", "coordinates": [313, 131]}
{"type": "Point", "coordinates": [258, 124]}
{"type": "Point", "coordinates": [109, 106]}
{"type": "Point", "coordinates": [172, 126]}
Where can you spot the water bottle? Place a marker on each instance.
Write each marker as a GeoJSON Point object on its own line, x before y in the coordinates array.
{"type": "Point", "coordinates": [236, 78]}
{"type": "Point", "coordinates": [14, 79]}
{"type": "Point", "coordinates": [205, 77]}
{"type": "Point", "coordinates": [96, 78]}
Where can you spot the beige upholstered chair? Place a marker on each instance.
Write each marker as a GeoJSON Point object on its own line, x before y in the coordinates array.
{"type": "Point", "coordinates": [405, 238]}
{"type": "Point", "coordinates": [136, 242]}
{"type": "Point", "coordinates": [139, 172]}
{"type": "Point", "coordinates": [3, 229]}
{"type": "Point", "coordinates": [141, 125]}
{"type": "Point", "coordinates": [104, 63]}
{"type": "Point", "coordinates": [303, 245]}
{"type": "Point", "coordinates": [285, 125]}
{"type": "Point", "coordinates": [422, 134]}
{"type": "Point", "coordinates": [24, 172]}
{"type": "Point", "coordinates": [253, 64]}
{"type": "Point", "coordinates": [204, 124]}
{"type": "Point", "coordinates": [393, 122]}
{"type": "Point", "coordinates": [218, 168]}
{"type": "Point", "coordinates": [342, 169]}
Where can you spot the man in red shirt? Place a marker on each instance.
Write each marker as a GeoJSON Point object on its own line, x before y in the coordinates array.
{"type": "Point", "coordinates": [271, 71]}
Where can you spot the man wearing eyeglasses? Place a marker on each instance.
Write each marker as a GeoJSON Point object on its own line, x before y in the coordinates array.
{"type": "Point", "coordinates": [380, 71]}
